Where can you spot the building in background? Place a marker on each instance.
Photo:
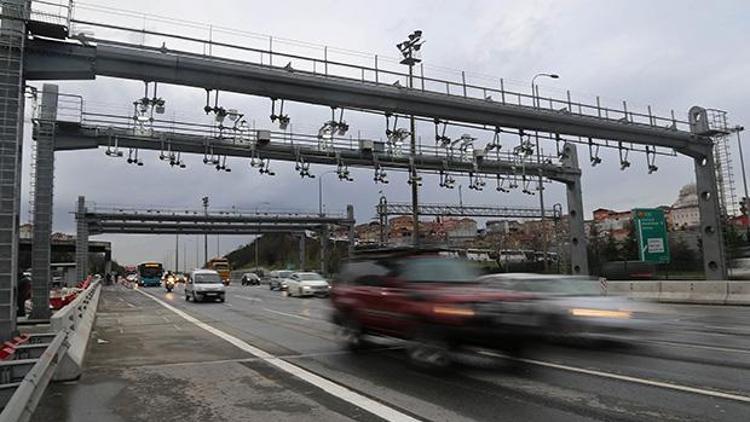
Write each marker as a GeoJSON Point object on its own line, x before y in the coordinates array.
{"type": "Point", "coordinates": [684, 212]}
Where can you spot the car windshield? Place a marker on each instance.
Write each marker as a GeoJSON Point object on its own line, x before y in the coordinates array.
{"type": "Point", "coordinates": [284, 274]}
{"type": "Point", "coordinates": [437, 270]}
{"type": "Point", "coordinates": [207, 278]}
{"type": "Point", "coordinates": [310, 276]}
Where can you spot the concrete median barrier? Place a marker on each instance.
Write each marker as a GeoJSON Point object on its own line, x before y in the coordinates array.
{"type": "Point", "coordinates": [77, 319]}
{"type": "Point", "coordinates": [676, 291]}
{"type": "Point", "coordinates": [738, 293]}
{"type": "Point", "coordinates": [645, 290]}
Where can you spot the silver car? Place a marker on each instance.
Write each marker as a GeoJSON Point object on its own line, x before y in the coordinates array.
{"type": "Point", "coordinates": [278, 280]}
{"type": "Point", "coordinates": [205, 285]}
{"type": "Point", "coordinates": [573, 306]}
{"type": "Point", "coordinates": [308, 284]}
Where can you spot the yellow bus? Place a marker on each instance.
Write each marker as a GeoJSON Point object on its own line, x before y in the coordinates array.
{"type": "Point", "coordinates": [221, 266]}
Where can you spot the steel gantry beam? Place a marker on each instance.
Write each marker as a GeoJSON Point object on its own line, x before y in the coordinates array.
{"type": "Point", "coordinates": [129, 221]}
{"type": "Point", "coordinates": [57, 60]}
{"type": "Point", "coordinates": [447, 210]}
{"type": "Point", "coordinates": [86, 58]}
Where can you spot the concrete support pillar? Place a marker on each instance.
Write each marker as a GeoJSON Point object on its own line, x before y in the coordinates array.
{"type": "Point", "coordinates": [12, 40]}
{"type": "Point", "coordinates": [82, 240]}
{"type": "Point", "coordinates": [323, 247]}
{"type": "Point", "coordinates": [108, 262]}
{"type": "Point", "coordinates": [712, 237]}
{"type": "Point", "coordinates": [579, 262]}
{"type": "Point", "coordinates": [41, 248]}
{"type": "Point", "coordinates": [302, 251]}
{"type": "Point", "coordinates": [350, 217]}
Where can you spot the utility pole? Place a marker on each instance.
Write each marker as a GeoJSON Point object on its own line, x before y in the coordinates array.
{"type": "Point", "coordinates": [205, 235]}
{"type": "Point", "coordinates": [177, 252]}
{"type": "Point", "coordinates": [409, 49]}
{"type": "Point", "coordinates": [535, 102]}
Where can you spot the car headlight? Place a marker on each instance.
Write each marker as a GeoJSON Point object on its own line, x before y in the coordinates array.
{"type": "Point", "coordinates": [453, 310]}
{"type": "Point", "coordinates": [600, 313]}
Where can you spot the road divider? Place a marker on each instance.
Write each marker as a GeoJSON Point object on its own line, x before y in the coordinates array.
{"type": "Point", "coordinates": [676, 291]}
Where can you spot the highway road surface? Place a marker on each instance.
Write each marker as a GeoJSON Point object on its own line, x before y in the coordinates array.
{"type": "Point", "coordinates": [262, 356]}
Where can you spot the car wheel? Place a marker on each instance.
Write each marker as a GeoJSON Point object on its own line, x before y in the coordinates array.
{"type": "Point", "coordinates": [428, 350]}
{"type": "Point", "coordinates": [351, 334]}
{"type": "Point", "coordinates": [289, 292]}
{"type": "Point", "coordinates": [187, 297]}
{"type": "Point", "coordinates": [195, 297]}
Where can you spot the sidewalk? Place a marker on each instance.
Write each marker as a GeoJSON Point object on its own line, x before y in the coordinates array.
{"type": "Point", "coordinates": [146, 363]}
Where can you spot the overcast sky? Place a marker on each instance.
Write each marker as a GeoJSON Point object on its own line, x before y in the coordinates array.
{"type": "Point", "coordinates": [669, 54]}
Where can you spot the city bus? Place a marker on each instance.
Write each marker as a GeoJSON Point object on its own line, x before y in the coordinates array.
{"type": "Point", "coordinates": [150, 274]}
{"type": "Point", "coordinates": [221, 266]}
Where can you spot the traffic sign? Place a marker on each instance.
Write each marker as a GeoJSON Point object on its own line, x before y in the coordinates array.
{"type": "Point", "coordinates": [651, 229]}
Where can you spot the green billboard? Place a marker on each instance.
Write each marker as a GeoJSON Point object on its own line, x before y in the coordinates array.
{"type": "Point", "coordinates": [651, 229]}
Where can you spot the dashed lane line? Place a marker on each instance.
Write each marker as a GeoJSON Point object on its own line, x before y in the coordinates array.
{"type": "Point", "coordinates": [365, 403]}
{"type": "Point", "coordinates": [626, 378]}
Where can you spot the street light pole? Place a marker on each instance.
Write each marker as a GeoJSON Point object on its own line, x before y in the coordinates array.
{"type": "Point", "coordinates": [205, 235]}
{"type": "Point", "coordinates": [408, 49]}
{"type": "Point", "coordinates": [535, 102]}
{"type": "Point", "coordinates": [323, 235]}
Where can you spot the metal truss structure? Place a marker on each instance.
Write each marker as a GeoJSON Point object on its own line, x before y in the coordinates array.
{"type": "Point", "coordinates": [156, 221]}
{"type": "Point", "coordinates": [446, 210]}
{"type": "Point", "coordinates": [38, 44]}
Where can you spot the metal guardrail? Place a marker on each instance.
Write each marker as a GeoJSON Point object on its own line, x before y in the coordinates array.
{"type": "Point", "coordinates": [31, 388]}
{"type": "Point", "coordinates": [25, 379]}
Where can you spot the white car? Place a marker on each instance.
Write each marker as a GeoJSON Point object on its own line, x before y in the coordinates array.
{"type": "Point", "coordinates": [203, 285]}
{"type": "Point", "coordinates": [307, 284]}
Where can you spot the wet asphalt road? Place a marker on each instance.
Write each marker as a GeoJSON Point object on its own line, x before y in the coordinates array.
{"type": "Point", "coordinates": [146, 362]}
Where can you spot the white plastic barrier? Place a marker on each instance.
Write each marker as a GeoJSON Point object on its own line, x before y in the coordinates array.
{"type": "Point", "coordinates": [77, 318]}
{"type": "Point", "coordinates": [738, 293]}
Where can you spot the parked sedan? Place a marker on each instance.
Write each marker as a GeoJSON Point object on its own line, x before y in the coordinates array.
{"type": "Point", "coordinates": [307, 284]}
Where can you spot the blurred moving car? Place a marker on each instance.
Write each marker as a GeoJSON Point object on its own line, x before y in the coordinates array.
{"type": "Point", "coordinates": [573, 306]}
{"type": "Point", "coordinates": [432, 300]}
{"type": "Point", "coordinates": [278, 280]}
{"type": "Point", "coordinates": [307, 284]}
{"type": "Point", "coordinates": [739, 269]}
{"type": "Point", "coordinates": [250, 279]}
{"type": "Point", "coordinates": [203, 285]}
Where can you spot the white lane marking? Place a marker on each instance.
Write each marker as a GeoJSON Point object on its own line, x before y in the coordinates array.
{"type": "Point", "coordinates": [698, 346]}
{"type": "Point", "coordinates": [636, 380]}
{"type": "Point", "coordinates": [177, 327]}
{"type": "Point", "coordinates": [130, 304]}
{"type": "Point", "coordinates": [252, 299]}
{"type": "Point", "coordinates": [230, 305]}
{"type": "Point", "coordinates": [286, 314]}
{"type": "Point", "coordinates": [330, 387]}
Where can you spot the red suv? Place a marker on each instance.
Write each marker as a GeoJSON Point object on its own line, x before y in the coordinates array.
{"type": "Point", "coordinates": [427, 298]}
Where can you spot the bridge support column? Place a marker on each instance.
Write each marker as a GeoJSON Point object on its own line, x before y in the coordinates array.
{"type": "Point", "coordinates": [323, 248]}
{"type": "Point", "coordinates": [712, 237]}
{"type": "Point", "coordinates": [82, 240]}
{"type": "Point", "coordinates": [579, 263]}
{"type": "Point", "coordinates": [12, 40]}
{"type": "Point", "coordinates": [43, 194]}
{"type": "Point", "coordinates": [302, 251]}
{"type": "Point", "coordinates": [350, 217]}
